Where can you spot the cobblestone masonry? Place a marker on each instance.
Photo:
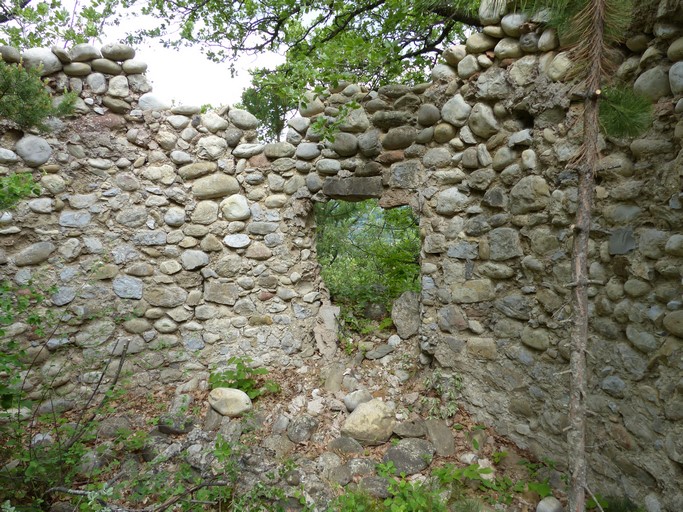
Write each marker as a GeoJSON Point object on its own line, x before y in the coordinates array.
{"type": "Point", "coordinates": [179, 237]}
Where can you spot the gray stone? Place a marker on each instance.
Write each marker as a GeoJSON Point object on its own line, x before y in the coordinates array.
{"type": "Point", "coordinates": [356, 121]}
{"type": "Point", "coordinates": [197, 170]}
{"type": "Point", "coordinates": [549, 504]}
{"type": "Point", "coordinates": [456, 111]}
{"type": "Point", "coordinates": [34, 254]}
{"type": "Point", "coordinates": [371, 423]}
{"type": "Point", "coordinates": [206, 212]}
{"type": "Point", "coordinates": [480, 43]}
{"type": "Point", "coordinates": [355, 398]}
{"type": "Point", "coordinates": [175, 216]}
{"type": "Point", "coordinates": [8, 157]}
{"type": "Point", "coordinates": [77, 69]}
{"type": "Point", "coordinates": [482, 121]}
{"type": "Point", "coordinates": [405, 314]}
{"type": "Point", "coordinates": [307, 151]}
{"type": "Point", "coordinates": [441, 437]}
{"type": "Point", "coordinates": [214, 122]}
{"type": "Point", "coordinates": [118, 87]}
{"type": "Point", "coordinates": [69, 219]}
{"type": "Point", "coordinates": [468, 67]}
{"type": "Point", "coordinates": [508, 48]}
{"type": "Point", "coordinates": [539, 339]}
{"type": "Point", "coordinates": [42, 58]}
{"type": "Point", "coordinates": [229, 402]}
{"type": "Point", "coordinates": [84, 52]}
{"type": "Point", "coordinates": [345, 144]}
{"type": "Point", "coordinates": [514, 306]}
{"type": "Point", "coordinates": [328, 167]}
{"type": "Point", "coordinates": [411, 428]}
{"type": "Point", "coordinates": [10, 54]}
{"type": "Point", "coordinates": [149, 238]}
{"type": "Point", "coordinates": [428, 115]}
{"type": "Point", "coordinates": [132, 217]}
{"type": "Point", "coordinates": [212, 147]}
{"type": "Point", "coordinates": [530, 194]}
{"type": "Point", "coordinates": [491, 11]}
{"type": "Point", "coordinates": [34, 150]}
{"type": "Point", "coordinates": [451, 201]}
{"type": "Point", "coordinates": [235, 207]}
{"type": "Point", "coordinates": [399, 138]}
{"type": "Point", "coordinates": [238, 241]}
{"type": "Point", "coordinates": [149, 101]}
{"type": "Point", "coordinates": [443, 73]}
{"type": "Point", "coordinates": [248, 150]}
{"type": "Point", "coordinates": [193, 259]}
{"type": "Point", "coordinates": [215, 186]}
{"type": "Point", "coordinates": [301, 428]}
{"type": "Point", "coordinates": [410, 455]}
{"type": "Point", "coordinates": [559, 67]}
{"type": "Point", "coordinates": [437, 157]}
{"type": "Point", "coordinates": [472, 291]}
{"type": "Point", "coordinates": [242, 119]}
{"type": "Point", "coordinates": [613, 386]}
{"type": "Point", "coordinates": [379, 351]}
{"type": "Point", "coordinates": [504, 244]}
{"type": "Point", "coordinates": [345, 444]}
{"type": "Point", "coordinates": [127, 287]}
{"type": "Point", "coordinates": [165, 296]}
{"type": "Point", "coordinates": [221, 293]}
{"type": "Point", "coordinates": [675, 79]}
{"type": "Point", "coordinates": [673, 323]}
{"type": "Point", "coordinates": [653, 84]}
{"type": "Point", "coordinates": [454, 54]}
{"type": "Point", "coordinates": [512, 23]}
{"type": "Point", "coordinates": [118, 51]}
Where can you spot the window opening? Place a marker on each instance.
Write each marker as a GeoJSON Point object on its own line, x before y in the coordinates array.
{"type": "Point", "coordinates": [369, 257]}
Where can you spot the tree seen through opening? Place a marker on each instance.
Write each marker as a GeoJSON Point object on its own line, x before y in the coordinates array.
{"type": "Point", "coordinates": [369, 257]}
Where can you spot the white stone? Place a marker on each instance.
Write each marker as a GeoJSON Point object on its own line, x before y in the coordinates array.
{"type": "Point", "coordinates": [229, 402]}
{"type": "Point", "coordinates": [214, 122]}
{"type": "Point", "coordinates": [37, 57]}
{"type": "Point", "coordinates": [235, 207]}
{"type": "Point", "coordinates": [118, 87]}
{"type": "Point", "coordinates": [559, 67]}
{"type": "Point", "coordinates": [151, 102]}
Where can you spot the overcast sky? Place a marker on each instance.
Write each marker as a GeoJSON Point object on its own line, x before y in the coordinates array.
{"type": "Point", "coordinates": [186, 76]}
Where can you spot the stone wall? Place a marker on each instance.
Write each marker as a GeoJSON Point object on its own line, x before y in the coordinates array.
{"type": "Point", "coordinates": [200, 239]}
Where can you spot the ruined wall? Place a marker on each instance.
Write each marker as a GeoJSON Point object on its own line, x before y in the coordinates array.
{"type": "Point", "coordinates": [199, 237]}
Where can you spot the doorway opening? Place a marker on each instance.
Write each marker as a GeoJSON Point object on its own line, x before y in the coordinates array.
{"type": "Point", "coordinates": [369, 257]}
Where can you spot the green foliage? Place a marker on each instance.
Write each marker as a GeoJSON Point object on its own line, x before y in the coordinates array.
{"type": "Point", "coordinates": [14, 188]}
{"type": "Point", "coordinates": [368, 255]}
{"type": "Point", "coordinates": [270, 100]}
{"type": "Point", "coordinates": [327, 127]}
{"type": "Point", "coordinates": [40, 24]}
{"type": "Point", "coordinates": [243, 376]}
{"type": "Point", "coordinates": [17, 302]}
{"type": "Point", "coordinates": [24, 100]}
{"type": "Point", "coordinates": [499, 489]}
{"type": "Point", "coordinates": [412, 497]}
{"type": "Point", "coordinates": [567, 16]}
{"type": "Point", "coordinates": [446, 388]}
{"type": "Point", "coordinates": [624, 113]}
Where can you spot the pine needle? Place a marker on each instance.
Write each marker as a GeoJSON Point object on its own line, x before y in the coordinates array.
{"type": "Point", "coordinates": [623, 113]}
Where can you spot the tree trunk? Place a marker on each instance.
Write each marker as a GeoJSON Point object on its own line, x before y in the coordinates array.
{"type": "Point", "coordinates": [587, 164]}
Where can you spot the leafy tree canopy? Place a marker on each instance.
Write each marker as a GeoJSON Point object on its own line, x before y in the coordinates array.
{"type": "Point", "coordinates": [31, 24]}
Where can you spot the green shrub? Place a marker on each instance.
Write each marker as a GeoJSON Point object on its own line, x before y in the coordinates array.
{"type": "Point", "coordinates": [24, 99]}
{"type": "Point", "coordinates": [243, 376]}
